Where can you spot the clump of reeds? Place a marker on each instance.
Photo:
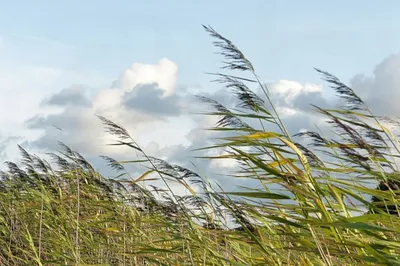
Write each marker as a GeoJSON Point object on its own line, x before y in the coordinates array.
{"type": "Point", "coordinates": [318, 204]}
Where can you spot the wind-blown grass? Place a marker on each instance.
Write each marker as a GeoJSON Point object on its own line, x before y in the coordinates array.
{"type": "Point", "coordinates": [318, 205]}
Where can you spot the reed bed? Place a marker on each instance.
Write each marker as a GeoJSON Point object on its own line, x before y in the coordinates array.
{"type": "Point", "coordinates": [324, 199]}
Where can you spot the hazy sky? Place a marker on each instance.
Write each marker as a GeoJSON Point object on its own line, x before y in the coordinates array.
{"type": "Point", "coordinates": [139, 62]}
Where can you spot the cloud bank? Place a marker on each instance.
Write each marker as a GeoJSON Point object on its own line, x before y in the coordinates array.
{"type": "Point", "coordinates": [146, 100]}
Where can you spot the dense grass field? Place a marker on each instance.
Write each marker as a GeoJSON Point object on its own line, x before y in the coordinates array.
{"type": "Point", "coordinates": [319, 204]}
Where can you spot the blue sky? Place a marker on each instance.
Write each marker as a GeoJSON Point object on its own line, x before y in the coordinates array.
{"type": "Point", "coordinates": [284, 39]}
{"type": "Point", "coordinates": [58, 60]}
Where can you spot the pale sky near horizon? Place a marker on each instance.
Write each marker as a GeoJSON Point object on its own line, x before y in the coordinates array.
{"type": "Point", "coordinates": [59, 59]}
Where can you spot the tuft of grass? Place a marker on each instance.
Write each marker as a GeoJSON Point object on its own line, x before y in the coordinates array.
{"type": "Point", "coordinates": [318, 204]}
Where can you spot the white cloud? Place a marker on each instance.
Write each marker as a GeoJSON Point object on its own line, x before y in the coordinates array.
{"type": "Point", "coordinates": [83, 131]}
{"type": "Point", "coordinates": [291, 89]}
{"type": "Point", "coordinates": [286, 93]}
{"type": "Point", "coordinates": [163, 74]}
{"type": "Point", "coordinates": [381, 91]}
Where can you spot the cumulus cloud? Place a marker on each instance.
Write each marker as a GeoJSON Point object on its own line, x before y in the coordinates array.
{"type": "Point", "coordinates": [163, 74]}
{"type": "Point", "coordinates": [75, 125]}
{"type": "Point", "coordinates": [149, 99]}
{"type": "Point", "coordinates": [296, 96]}
{"type": "Point", "coordinates": [381, 89]}
{"type": "Point", "coordinates": [72, 96]}
{"type": "Point", "coordinates": [293, 102]}
{"type": "Point", "coordinates": [143, 104]}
